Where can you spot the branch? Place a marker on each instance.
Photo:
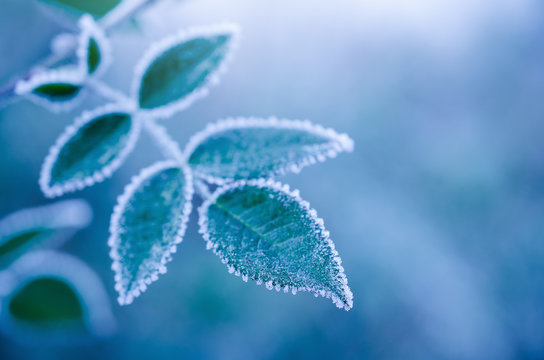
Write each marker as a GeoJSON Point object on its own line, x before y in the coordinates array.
{"type": "Point", "coordinates": [125, 10]}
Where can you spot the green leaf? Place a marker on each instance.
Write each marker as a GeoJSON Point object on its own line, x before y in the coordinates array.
{"type": "Point", "coordinates": [94, 56]}
{"type": "Point", "coordinates": [265, 232]}
{"type": "Point", "coordinates": [57, 91]}
{"type": "Point", "coordinates": [90, 150]}
{"type": "Point", "coordinates": [179, 69]}
{"type": "Point", "coordinates": [97, 8]}
{"type": "Point", "coordinates": [254, 148]}
{"type": "Point", "coordinates": [49, 295]}
{"type": "Point", "coordinates": [146, 226]}
{"type": "Point", "coordinates": [47, 301]}
{"type": "Point", "coordinates": [94, 50]}
{"type": "Point", "coordinates": [40, 227]}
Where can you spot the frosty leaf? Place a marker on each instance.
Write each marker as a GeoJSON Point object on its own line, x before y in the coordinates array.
{"type": "Point", "coordinates": [75, 8]}
{"type": "Point", "coordinates": [41, 226]}
{"type": "Point", "coordinates": [265, 232]}
{"type": "Point", "coordinates": [90, 150]}
{"type": "Point", "coordinates": [49, 295]}
{"type": "Point", "coordinates": [146, 226]}
{"type": "Point", "coordinates": [58, 90]}
{"type": "Point", "coordinates": [179, 69]}
{"type": "Point", "coordinates": [94, 51]}
{"type": "Point", "coordinates": [254, 148]}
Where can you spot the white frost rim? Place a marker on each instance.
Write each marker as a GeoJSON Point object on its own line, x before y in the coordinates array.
{"type": "Point", "coordinates": [67, 75]}
{"type": "Point", "coordinates": [99, 175]}
{"type": "Point", "coordinates": [337, 142]}
{"type": "Point", "coordinates": [85, 283]}
{"type": "Point", "coordinates": [277, 186]}
{"type": "Point", "coordinates": [91, 30]}
{"type": "Point", "coordinates": [127, 297]}
{"type": "Point", "coordinates": [158, 48]}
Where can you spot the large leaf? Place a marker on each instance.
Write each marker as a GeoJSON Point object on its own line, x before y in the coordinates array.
{"type": "Point", "coordinates": [58, 90]}
{"type": "Point", "coordinates": [94, 50]}
{"type": "Point", "coordinates": [43, 226]}
{"type": "Point", "coordinates": [254, 148]}
{"type": "Point", "coordinates": [51, 295]}
{"type": "Point", "coordinates": [147, 224]}
{"type": "Point", "coordinates": [265, 232]}
{"type": "Point", "coordinates": [90, 150]}
{"type": "Point", "coordinates": [75, 8]}
{"type": "Point", "coordinates": [179, 69]}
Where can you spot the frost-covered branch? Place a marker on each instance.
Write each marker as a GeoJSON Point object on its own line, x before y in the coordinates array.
{"type": "Point", "coordinates": [124, 11]}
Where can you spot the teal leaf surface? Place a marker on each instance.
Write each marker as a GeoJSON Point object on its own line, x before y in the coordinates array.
{"type": "Point", "coordinates": [49, 295]}
{"type": "Point", "coordinates": [249, 148]}
{"type": "Point", "coordinates": [147, 224]}
{"type": "Point", "coordinates": [75, 8]}
{"type": "Point", "coordinates": [263, 231]}
{"type": "Point", "coordinates": [40, 227]}
{"type": "Point", "coordinates": [90, 150]}
{"type": "Point", "coordinates": [179, 69]}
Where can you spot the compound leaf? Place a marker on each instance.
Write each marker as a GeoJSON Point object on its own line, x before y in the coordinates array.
{"type": "Point", "coordinates": [146, 226]}
{"type": "Point", "coordinates": [40, 227]}
{"type": "Point", "coordinates": [265, 232]}
{"type": "Point", "coordinates": [90, 150]}
{"type": "Point", "coordinates": [179, 69]}
{"type": "Point", "coordinates": [255, 148]}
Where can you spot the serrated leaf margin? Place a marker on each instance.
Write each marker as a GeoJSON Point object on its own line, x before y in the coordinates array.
{"type": "Point", "coordinates": [161, 46]}
{"type": "Point", "coordinates": [122, 201]}
{"type": "Point", "coordinates": [341, 142]}
{"type": "Point", "coordinates": [99, 175]}
{"type": "Point", "coordinates": [269, 183]}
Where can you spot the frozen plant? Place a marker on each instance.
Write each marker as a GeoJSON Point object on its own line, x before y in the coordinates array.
{"type": "Point", "coordinates": [260, 229]}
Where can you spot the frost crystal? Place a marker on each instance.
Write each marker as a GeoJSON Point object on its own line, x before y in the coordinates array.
{"type": "Point", "coordinates": [58, 90]}
{"type": "Point", "coordinates": [180, 69]}
{"type": "Point", "coordinates": [94, 50]}
{"type": "Point", "coordinates": [90, 150]}
{"type": "Point", "coordinates": [148, 222]}
{"type": "Point", "coordinates": [43, 275]}
{"type": "Point", "coordinates": [264, 231]}
{"type": "Point", "coordinates": [249, 148]}
{"type": "Point", "coordinates": [46, 225]}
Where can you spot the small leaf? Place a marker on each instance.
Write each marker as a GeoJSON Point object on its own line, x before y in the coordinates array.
{"type": "Point", "coordinates": [255, 148]}
{"type": "Point", "coordinates": [49, 295]}
{"type": "Point", "coordinates": [57, 90]}
{"type": "Point", "coordinates": [90, 150]}
{"type": "Point", "coordinates": [265, 232]}
{"type": "Point", "coordinates": [43, 226]}
{"type": "Point", "coordinates": [94, 51]}
{"type": "Point", "coordinates": [147, 224]}
{"type": "Point", "coordinates": [73, 8]}
{"type": "Point", "coordinates": [180, 69]}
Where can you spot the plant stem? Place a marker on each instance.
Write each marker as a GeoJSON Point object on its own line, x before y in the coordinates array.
{"type": "Point", "coordinates": [168, 146]}
{"type": "Point", "coordinates": [107, 92]}
{"type": "Point", "coordinates": [126, 9]}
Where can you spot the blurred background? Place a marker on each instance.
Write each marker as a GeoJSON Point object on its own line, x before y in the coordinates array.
{"type": "Point", "coordinates": [437, 214]}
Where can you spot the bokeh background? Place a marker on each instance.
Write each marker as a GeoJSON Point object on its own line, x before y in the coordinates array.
{"type": "Point", "coordinates": [438, 214]}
